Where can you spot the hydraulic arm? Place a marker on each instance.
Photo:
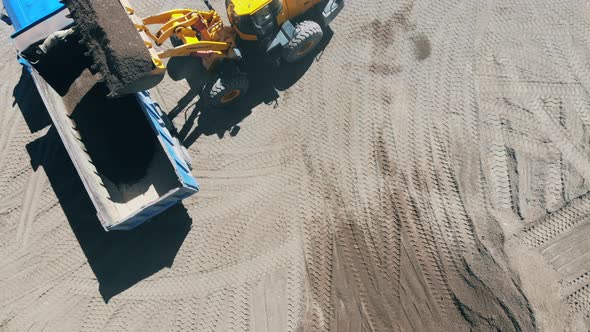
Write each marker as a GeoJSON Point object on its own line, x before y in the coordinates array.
{"type": "Point", "coordinates": [201, 33]}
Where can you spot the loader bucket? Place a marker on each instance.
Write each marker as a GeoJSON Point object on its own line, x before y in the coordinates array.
{"type": "Point", "coordinates": [121, 53]}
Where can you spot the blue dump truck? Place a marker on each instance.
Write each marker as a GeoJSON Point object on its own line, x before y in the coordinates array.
{"type": "Point", "coordinates": [124, 149]}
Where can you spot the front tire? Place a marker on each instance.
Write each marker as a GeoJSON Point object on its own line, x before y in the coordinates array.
{"type": "Point", "coordinates": [184, 67]}
{"type": "Point", "coordinates": [226, 90]}
{"type": "Point", "coordinates": [308, 35]}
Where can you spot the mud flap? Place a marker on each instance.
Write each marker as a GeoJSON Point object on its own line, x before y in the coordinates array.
{"type": "Point", "coordinates": [331, 10]}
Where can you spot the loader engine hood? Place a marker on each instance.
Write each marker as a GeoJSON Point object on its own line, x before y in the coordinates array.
{"type": "Point", "coordinates": [248, 7]}
{"type": "Point", "coordinates": [257, 21]}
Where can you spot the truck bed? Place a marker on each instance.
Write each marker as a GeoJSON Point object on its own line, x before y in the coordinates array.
{"type": "Point", "coordinates": [118, 145]}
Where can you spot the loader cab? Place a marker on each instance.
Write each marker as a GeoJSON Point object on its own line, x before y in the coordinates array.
{"type": "Point", "coordinates": [255, 19]}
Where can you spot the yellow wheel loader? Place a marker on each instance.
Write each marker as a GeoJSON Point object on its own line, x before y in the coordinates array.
{"type": "Point", "coordinates": [202, 45]}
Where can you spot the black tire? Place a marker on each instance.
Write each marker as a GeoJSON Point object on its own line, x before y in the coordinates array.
{"type": "Point", "coordinates": [226, 90]}
{"type": "Point", "coordinates": [175, 41]}
{"type": "Point", "coordinates": [185, 67]}
{"type": "Point", "coordinates": [308, 35]}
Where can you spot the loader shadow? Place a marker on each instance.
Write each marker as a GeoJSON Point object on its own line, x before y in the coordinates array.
{"type": "Point", "coordinates": [266, 82]}
{"type": "Point", "coordinates": [119, 259]}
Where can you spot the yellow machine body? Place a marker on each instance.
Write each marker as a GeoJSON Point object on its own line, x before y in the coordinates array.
{"type": "Point", "coordinates": [245, 9]}
{"type": "Point", "coordinates": [248, 7]}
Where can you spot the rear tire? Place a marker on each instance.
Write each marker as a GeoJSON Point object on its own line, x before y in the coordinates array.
{"type": "Point", "coordinates": [308, 35]}
{"type": "Point", "coordinates": [226, 90]}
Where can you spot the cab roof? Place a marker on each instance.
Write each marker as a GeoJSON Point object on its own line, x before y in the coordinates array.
{"type": "Point", "coordinates": [249, 7]}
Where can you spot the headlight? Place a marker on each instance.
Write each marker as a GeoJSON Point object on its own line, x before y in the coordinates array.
{"type": "Point", "coordinates": [276, 7]}
{"type": "Point", "coordinates": [263, 16]}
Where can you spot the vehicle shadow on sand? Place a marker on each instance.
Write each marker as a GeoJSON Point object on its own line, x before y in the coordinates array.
{"type": "Point", "coordinates": [119, 259]}
{"type": "Point", "coordinates": [265, 83]}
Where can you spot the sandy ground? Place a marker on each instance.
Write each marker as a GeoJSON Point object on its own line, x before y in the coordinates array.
{"type": "Point", "coordinates": [430, 172]}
